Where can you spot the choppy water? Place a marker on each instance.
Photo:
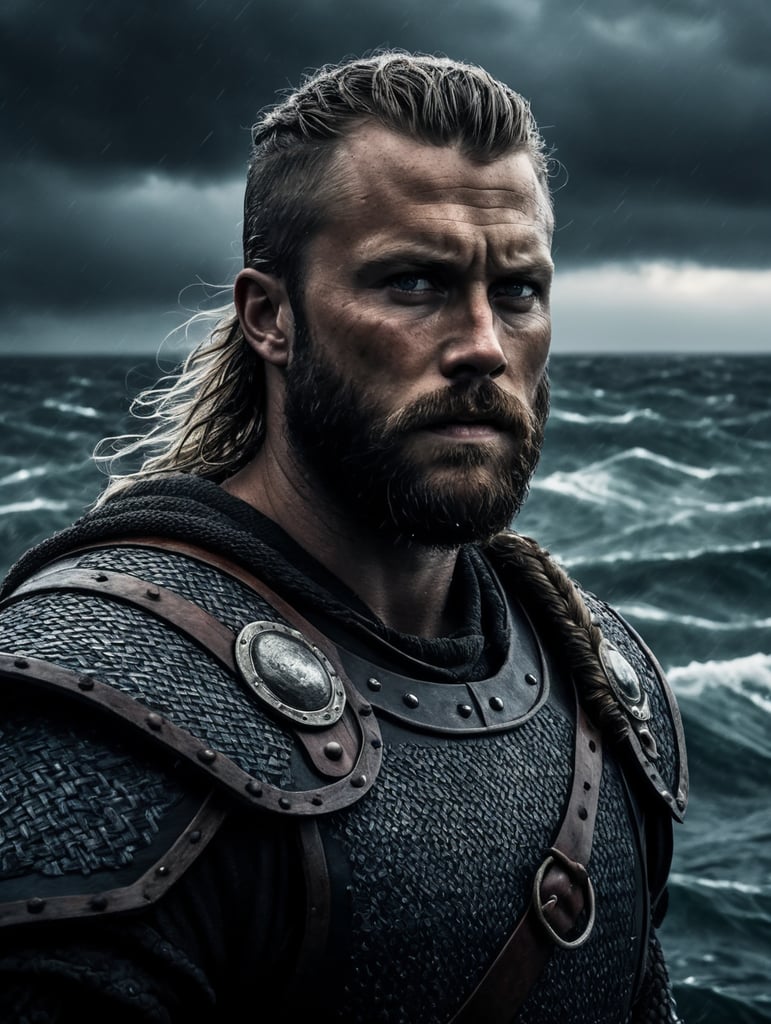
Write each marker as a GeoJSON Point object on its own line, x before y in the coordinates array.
{"type": "Point", "coordinates": [655, 492]}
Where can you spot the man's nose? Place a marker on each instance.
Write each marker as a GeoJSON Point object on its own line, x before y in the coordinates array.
{"type": "Point", "coordinates": [473, 347]}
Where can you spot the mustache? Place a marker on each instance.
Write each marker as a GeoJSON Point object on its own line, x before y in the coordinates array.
{"type": "Point", "coordinates": [482, 401]}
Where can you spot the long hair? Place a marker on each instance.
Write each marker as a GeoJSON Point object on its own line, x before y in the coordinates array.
{"type": "Point", "coordinates": [208, 420]}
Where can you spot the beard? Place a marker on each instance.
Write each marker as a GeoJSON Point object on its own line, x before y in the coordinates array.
{"type": "Point", "coordinates": [360, 459]}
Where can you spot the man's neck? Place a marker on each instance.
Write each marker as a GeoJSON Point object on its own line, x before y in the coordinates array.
{"type": "Point", "coordinates": [405, 585]}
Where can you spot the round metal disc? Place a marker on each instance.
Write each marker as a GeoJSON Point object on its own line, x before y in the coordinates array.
{"type": "Point", "coordinates": [624, 681]}
{"type": "Point", "coordinates": [289, 674]}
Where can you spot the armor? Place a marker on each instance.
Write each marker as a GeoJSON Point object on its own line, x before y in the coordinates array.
{"type": "Point", "coordinates": [182, 695]}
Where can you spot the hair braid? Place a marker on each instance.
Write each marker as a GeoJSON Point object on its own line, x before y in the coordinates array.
{"type": "Point", "coordinates": [556, 604]}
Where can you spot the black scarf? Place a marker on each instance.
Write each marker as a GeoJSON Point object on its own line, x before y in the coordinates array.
{"type": "Point", "coordinates": [192, 509]}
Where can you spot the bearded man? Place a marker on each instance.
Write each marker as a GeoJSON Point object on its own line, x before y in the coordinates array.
{"type": "Point", "coordinates": [294, 718]}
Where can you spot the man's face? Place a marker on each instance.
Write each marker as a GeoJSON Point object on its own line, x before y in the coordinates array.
{"type": "Point", "coordinates": [416, 391]}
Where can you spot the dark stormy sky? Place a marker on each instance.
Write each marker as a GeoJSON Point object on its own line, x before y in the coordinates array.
{"type": "Point", "coordinates": [125, 138]}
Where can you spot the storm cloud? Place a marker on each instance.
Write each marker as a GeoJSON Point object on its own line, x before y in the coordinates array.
{"type": "Point", "coordinates": [126, 129]}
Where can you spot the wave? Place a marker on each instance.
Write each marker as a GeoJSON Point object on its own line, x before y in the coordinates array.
{"type": "Point", "coordinates": [686, 555]}
{"type": "Point", "coordinates": [22, 475]}
{"type": "Point", "coordinates": [34, 505]}
{"type": "Point", "coordinates": [719, 884]}
{"type": "Point", "coordinates": [587, 486]}
{"type": "Point", "coordinates": [650, 613]}
{"type": "Point", "coordinates": [79, 410]}
{"type": "Point", "coordinates": [749, 676]}
{"type": "Point", "coordinates": [758, 501]}
{"type": "Point", "coordinates": [595, 482]}
{"type": "Point", "coordinates": [645, 455]}
{"type": "Point", "coordinates": [566, 416]}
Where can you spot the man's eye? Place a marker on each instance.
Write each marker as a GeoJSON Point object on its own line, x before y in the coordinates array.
{"type": "Point", "coordinates": [517, 290]}
{"type": "Point", "coordinates": [411, 283]}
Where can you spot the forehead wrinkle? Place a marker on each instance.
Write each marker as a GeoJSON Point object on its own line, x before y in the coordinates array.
{"type": "Point", "coordinates": [468, 195]}
{"type": "Point", "coordinates": [529, 205]}
{"type": "Point", "coordinates": [528, 249]}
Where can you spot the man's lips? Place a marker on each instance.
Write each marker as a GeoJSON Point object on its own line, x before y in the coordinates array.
{"type": "Point", "coordinates": [465, 429]}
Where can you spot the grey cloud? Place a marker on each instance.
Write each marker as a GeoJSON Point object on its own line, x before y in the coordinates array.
{"type": "Point", "coordinates": [660, 111]}
{"type": "Point", "coordinates": [81, 247]}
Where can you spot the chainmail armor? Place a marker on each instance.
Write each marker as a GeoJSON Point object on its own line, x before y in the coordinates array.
{"type": "Point", "coordinates": [451, 883]}
{"type": "Point", "coordinates": [657, 1003]}
{"type": "Point", "coordinates": [71, 803]}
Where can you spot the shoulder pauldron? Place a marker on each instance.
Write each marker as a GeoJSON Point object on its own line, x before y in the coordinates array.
{"type": "Point", "coordinates": [655, 738]}
{"type": "Point", "coordinates": [302, 749]}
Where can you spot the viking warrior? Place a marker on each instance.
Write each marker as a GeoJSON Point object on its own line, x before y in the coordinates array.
{"type": "Point", "coordinates": [292, 717]}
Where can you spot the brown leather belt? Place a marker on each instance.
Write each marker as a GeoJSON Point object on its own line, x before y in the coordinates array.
{"type": "Point", "coordinates": [512, 975]}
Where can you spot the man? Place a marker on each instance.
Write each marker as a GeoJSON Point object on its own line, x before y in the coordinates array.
{"type": "Point", "coordinates": [293, 718]}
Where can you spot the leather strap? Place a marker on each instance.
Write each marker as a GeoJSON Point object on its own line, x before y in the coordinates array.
{"type": "Point", "coordinates": [514, 972]}
{"type": "Point", "coordinates": [358, 733]}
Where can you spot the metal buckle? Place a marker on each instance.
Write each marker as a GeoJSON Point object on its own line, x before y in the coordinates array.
{"type": "Point", "coordinates": [577, 871]}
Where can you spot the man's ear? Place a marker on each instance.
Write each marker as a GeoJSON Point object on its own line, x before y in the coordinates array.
{"type": "Point", "coordinates": [265, 314]}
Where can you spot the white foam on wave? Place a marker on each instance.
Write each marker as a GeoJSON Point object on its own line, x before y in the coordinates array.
{"type": "Point", "coordinates": [761, 501]}
{"type": "Point", "coordinates": [34, 505]}
{"type": "Point", "coordinates": [588, 486]}
{"type": "Point", "coordinates": [720, 884]}
{"type": "Point", "coordinates": [748, 677]}
{"type": "Point", "coordinates": [650, 613]}
{"type": "Point", "coordinates": [684, 468]}
{"type": "Point", "coordinates": [686, 555]}
{"type": "Point", "coordinates": [595, 482]}
{"type": "Point", "coordinates": [565, 416]}
{"type": "Point", "coordinates": [78, 410]}
{"type": "Point", "coordinates": [21, 475]}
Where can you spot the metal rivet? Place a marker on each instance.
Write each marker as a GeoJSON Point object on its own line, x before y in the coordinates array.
{"type": "Point", "coordinates": [358, 781]}
{"type": "Point", "coordinates": [531, 680]}
{"type": "Point", "coordinates": [284, 803]}
{"type": "Point", "coordinates": [410, 700]}
{"type": "Point", "coordinates": [154, 721]}
{"type": "Point", "coordinates": [100, 577]}
{"type": "Point", "coordinates": [365, 710]}
{"type": "Point", "coordinates": [21, 663]}
{"type": "Point", "coordinates": [195, 836]}
{"type": "Point", "coordinates": [465, 710]}
{"type": "Point", "coordinates": [373, 684]}
{"type": "Point", "coordinates": [254, 788]}
{"type": "Point", "coordinates": [317, 801]}
{"type": "Point", "coordinates": [161, 871]}
{"type": "Point", "coordinates": [206, 755]}
{"type": "Point", "coordinates": [98, 903]}
{"type": "Point", "coordinates": [496, 704]}
{"type": "Point", "coordinates": [333, 750]}
{"type": "Point", "coordinates": [583, 814]}
{"type": "Point", "coordinates": [84, 683]}
{"type": "Point", "coordinates": [35, 905]}
{"type": "Point", "coordinates": [587, 786]}
{"type": "Point", "coordinates": [153, 593]}
{"type": "Point", "coordinates": [376, 742]}
{"type": "Point", "coordinates": [592, 746]}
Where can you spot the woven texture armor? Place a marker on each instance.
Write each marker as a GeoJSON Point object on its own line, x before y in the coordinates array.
{"type": "Point", "coordinates": [430, 871]}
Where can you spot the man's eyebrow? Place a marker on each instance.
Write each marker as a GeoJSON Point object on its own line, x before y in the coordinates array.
{"type": "Point", "coordinates": [417, 257]}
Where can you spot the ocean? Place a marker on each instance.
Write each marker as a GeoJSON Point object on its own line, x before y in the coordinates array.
{"type": "Point", "coordinates": [654, 491]}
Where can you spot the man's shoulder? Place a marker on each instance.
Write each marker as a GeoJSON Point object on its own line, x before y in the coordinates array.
{"type": "Point", "coordinates": [617, 677]}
